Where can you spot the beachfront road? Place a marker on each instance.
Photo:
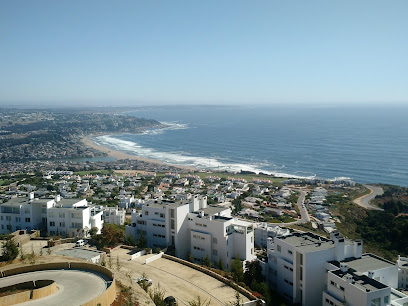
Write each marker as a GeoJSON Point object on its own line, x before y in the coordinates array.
{"type": "Point", "coordinates": [364, 201]}
{"type": "Point", "coordinates": [303, 211]}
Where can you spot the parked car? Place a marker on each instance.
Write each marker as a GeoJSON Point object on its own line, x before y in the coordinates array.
{"type": "Point", "coordinates": [170, 301]}
{"type": "Point", "coordinates": [145, 280]}
{"type": "Point", "coordinates": [80, 243]}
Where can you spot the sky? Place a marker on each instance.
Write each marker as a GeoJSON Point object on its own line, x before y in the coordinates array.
{"type": "Point", "coordinates": [119, 53]}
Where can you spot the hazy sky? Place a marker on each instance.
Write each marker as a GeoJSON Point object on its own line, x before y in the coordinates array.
{"type": "Point", "coordinates": [161, 52]}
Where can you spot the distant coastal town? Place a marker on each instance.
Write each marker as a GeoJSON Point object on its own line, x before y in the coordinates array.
{"type": "Point", "coordinates": [270, 240]}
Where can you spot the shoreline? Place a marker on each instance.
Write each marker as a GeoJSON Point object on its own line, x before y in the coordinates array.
{"type": "Point", "coordinates": [118, 155]}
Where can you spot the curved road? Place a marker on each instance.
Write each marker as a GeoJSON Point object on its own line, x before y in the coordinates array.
{"type": "Point", "coordinates": [75, 287]}
{"type": "Point", "coordinates": [364, 201]}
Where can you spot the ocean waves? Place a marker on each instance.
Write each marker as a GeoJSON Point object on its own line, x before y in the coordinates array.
{"type": "Point", "coordinates": [185, 159]}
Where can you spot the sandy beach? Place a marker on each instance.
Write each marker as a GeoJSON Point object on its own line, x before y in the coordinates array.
{"type": "Point", "coordinates": [121, 155]}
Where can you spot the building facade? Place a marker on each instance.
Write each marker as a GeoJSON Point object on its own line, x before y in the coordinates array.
{"type": "Point", "coordinates": [194, 228]}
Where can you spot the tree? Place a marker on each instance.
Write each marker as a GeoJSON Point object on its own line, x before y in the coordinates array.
{"type": "Point", "coordinates": [236, 270]}
{"type": "Point", "coordinates": [157, 295]}
{"type": "Point", "coordinates": [10, 250]}
{"type": "Point", "coordinates": [130, 241]}
{"type": "Point", "coordinates": [206, 261]}
{"type": "Point", "coordinates": [93, 231]}
{"type": "Point", "coordinates": [253, 271]}
{"type": "Point", "coordinates": [141, 240]}
{"type": "Point", "coordinates": [220, 264]}
{"type": "Point", "coordinates": [198, 302]}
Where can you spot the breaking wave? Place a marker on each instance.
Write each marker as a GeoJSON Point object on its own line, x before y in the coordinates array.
{"type": "Point", "coordinates": [185, 159]}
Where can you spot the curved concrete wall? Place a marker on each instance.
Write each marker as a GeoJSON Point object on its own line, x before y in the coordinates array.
{"type": "Point", "coordinates": [106, 298]}
{"type": "Point", "coordinates": [47, 287]}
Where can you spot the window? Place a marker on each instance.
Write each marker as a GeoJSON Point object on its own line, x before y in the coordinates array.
{"type": "Point", "coordinates": [146, 213]}
{"type": "Point", "coordinates": [252, 239]}
{"type": "Point", "coordinates": [44, 210]}
{"type": "Point", "coordinates": [51, 214]}
{"type": "Point", "coordinates": [1, 218]}
{"type": "Point", "coordinates": [172, 213]}
{"type": "Point", "coordinates": [172, 226]}
{"type": "Point", "coordinates": [52, 223]}
{"type": "Point", "coordinates": [301, 258]}
{"type": "Point", "coordinates": [62, 224]}
{"type": "Point", "coordinates": [386, 299]}
{"type": "Point", "coordinates": [18, 219]}
{"type": "Point", "coordinates": [8, 218]}
{"type": "Point", "coordinates": [62, 215]}
{"type": "Point", "coordinates": [252, 251]}
{"type": "Point", "coordinates": [162, 215]}
{"type": "Point", "coordinates": [27, 220]}
{"type": "Point", "coordinates": [215, 252]}
{"type": "Point", "coordinates": [278, 247]}
{"type": "Point", "coordinates": [376, 302]}
{"type": "Point", "coordinates": [214, 240]}
{"type": "Point", "coordinates": [27, 210]}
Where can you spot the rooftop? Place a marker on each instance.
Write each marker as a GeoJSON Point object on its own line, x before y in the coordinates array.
{"type": "Point", "coordinates": [360, 281]}
{"type": "Point", "coordinates": [212, 210]}
{"type": "Point", "coordinates": [368, 262]}
{"type": "Point", "coordinates": [308, 242]}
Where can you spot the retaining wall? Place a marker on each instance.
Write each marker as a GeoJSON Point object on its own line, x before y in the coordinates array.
{"type": "Point", "coordinates": [153, 258]}
{"type": "Point", "coordinates": [106, 298]}
{"type": "Point", "coordinates": [33, 292]}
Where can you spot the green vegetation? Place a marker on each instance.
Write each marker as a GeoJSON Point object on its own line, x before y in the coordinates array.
{"type": "Point", "coordinates": [10, 250]}
{"type": "Point", "coordinates": [111, 234]}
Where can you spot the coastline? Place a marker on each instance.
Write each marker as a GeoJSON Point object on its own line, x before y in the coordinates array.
{"type": "Point", "coordinates": [121, 155]}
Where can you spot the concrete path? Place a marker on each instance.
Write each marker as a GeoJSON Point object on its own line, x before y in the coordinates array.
{"type": "Point", "coordinates": [364, 201]}
{"type": "Point", "coordinates": [75, 287]}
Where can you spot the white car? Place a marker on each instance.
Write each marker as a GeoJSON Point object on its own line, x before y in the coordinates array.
{"type": "Point", "coordinates": [148, 281]}
{"type": "Point", "coordinates": [80, 243]}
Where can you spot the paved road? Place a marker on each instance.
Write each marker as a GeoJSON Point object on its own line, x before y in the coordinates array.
{"type": "Point", "coordinates": [364, 201]}
{"type": "Point", "coordinates": [303, 211]}
{"type": "Point", "coordinates": [75, 287]}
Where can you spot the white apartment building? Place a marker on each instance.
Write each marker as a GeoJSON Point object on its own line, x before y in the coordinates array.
{"type": "Point", "coordinates": [72, 217]}
{"type": "Point", "coordinates": [402, 272]}
{"type": "Point", "coordinates": [194, 228]}
{"type": "Point", "coordinates": [24, 213]}
{"type": "Point", "coordinates": [312, 270]}
{"type": "Point", "coordinates": [114, 215]}
{"type": "Point", "coordinates": [264, 231]}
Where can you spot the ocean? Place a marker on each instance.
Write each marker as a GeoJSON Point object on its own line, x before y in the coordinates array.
{"type": "Point", "coordinates": [366, 144]}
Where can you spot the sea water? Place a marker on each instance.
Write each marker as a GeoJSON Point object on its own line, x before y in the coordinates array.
{"type": "Point", "coordinates": [367, 144]}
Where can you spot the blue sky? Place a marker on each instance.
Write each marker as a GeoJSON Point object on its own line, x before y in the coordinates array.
{"type": "Point", "coordinates": [203, 52]}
